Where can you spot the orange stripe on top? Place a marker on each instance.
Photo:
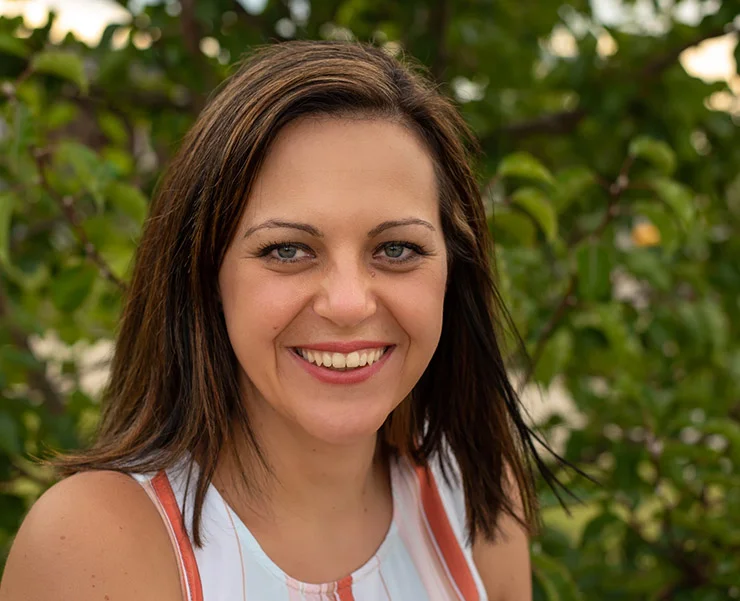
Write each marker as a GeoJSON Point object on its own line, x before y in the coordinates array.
{"type": "Point", "coordinates": [344, 589]}
{"type": "Point", "coordinates": [166, 496]}
{"type": "Point", "coordinates": [447, 542]}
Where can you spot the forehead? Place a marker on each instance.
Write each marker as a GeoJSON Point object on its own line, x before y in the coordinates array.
{"type": "Point", "coordinates": [352, 168]}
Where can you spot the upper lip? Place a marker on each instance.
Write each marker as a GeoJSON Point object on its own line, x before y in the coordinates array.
{"type": "Point", "coordinates": [344, 347]}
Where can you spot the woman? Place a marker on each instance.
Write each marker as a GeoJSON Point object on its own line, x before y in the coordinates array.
{"type": "Point", "coordinates": [307, 398]}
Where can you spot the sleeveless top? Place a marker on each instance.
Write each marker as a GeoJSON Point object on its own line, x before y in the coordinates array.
{"type": "Point", "coordinates": [424, 556]}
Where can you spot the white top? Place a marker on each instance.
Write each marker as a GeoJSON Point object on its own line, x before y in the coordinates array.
{"type": "Point", "coordinates": [423, 557]}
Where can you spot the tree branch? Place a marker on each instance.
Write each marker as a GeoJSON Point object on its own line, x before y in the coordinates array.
{"type": "Point", "coordinates": [563, 122]}
{"type": "Point", "coordinates": [66, 203]}
{"type": "Point", "coordinates": [440, 22]}
{"type": "Point", "coordinates": [257, 22]}
{"type": "Point", "coordinates": [33, 229]}
{"type": "Point", "coordinates": [190, 28]}
{"type": "Point", "coordinates": [615, 190]}
{"type": "Point", "coordinates": [192, 34]}
{"type": "Point", "coordinates": [568, 300]}
{"type": "Point", "coordinates": [29, 473]}
{"type": "Point", "coordinates": [660, 64]}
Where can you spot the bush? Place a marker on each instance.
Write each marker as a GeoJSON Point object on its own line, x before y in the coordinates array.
{"type": "Point", "coordinates": [614, 197]}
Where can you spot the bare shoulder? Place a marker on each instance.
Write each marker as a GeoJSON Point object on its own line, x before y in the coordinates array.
{"type": "Point", "coordinates": [93, 536]}
{"type": "Point", "coordinates": [504, 565]}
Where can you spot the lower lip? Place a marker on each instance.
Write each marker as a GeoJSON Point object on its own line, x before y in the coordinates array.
{"type": "Point", "coordinates": [331, 376]}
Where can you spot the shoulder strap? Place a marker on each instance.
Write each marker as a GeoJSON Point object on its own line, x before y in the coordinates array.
{"type": "Point", "coordinates": [448, 544]}
{"type": "Point", "coordinates": [160, 491]}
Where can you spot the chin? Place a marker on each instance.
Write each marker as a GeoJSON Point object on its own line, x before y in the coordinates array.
{"type": "Point", "coordinates": [345, 427]}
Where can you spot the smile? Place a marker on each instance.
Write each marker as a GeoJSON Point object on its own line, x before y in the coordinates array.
{"type": "Point", "coordinates": [342, 361]}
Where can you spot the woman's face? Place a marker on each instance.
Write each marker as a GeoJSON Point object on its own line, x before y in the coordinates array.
{"type": "Point", "coordinates": [339, 259]}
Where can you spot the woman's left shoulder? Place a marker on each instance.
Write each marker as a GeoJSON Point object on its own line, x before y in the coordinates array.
{"type": "Point", "coordinates": [503, 564]}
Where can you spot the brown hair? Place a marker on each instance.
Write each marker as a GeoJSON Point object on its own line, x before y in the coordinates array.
{"type": "Point", "coordinates": [173, 384]}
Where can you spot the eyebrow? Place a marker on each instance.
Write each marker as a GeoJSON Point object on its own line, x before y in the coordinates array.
{"type": "Point", "coordinates": [296, 225]}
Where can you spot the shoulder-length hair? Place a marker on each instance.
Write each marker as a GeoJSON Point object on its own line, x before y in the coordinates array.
{"type": "Point", "coordinates": [173, 387]}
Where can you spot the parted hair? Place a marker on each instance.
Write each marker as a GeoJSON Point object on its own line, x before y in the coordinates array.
{"type": "Point", "coordinates": [173, 389]}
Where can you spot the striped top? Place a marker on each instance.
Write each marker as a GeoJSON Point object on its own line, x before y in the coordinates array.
{"type": "Point", "coordinates": [424, 556]}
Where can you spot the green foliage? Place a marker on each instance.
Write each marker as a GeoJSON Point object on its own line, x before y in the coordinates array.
{"type": "Point", "coordinates": [66, 65]}
{"type": "Point", "coordinates": [614, 200]}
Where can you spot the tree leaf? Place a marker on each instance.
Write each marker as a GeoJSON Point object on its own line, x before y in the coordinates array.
{"type": "Point", "coordinates": [594, 271]}
{"type": "Point", "coordinates": [648, 265]}
{"type": "Point", "coordinates": [561, 586]}
{"type": "Point", "coordinates": [571, 184]}
{"type": "Point", "coordinates": [10, 436]}
{"type": "Point", "coordinates": [14, 46]}
{"type": "Point", "coordinates": [61, 114]}
{"type": "Point", "coordinates": [7, 204]}
{"type": "Point", "coordinates": [556, 354]}
{"type": "Point", "coordinates": [547, 587]}
{"type": "Point", "coordinates": [120, 160]}
{"type": "Point", "coordinates": [114, 128]}
{"type": "Point", "coordinates": [128, 199]}
{"type": "Point", "coordinates": [84, 170]}
{"type": "Point", "coordinates": [678, 197]}
{"type": "Point", "coordinates": [12, 509]}
{"type": "Point", "coordinates": [72, 286]}
{"type": "Point", "coordinates": [61, 63]}
{"type": "Point", "coordinates": [595, 528]}
{"type": "Point", "coordinates": [715, 323]}
{"type": "Point", "coordinates": [525, 166]}
{"type": "Point", "coordinates": [538, 206]}
{"type": "Point", "coordinates": [654, 151]}
{"type": "Point", "coordinates": [613, 324]}
{"type": "Point", "coordinates": [510, 228]}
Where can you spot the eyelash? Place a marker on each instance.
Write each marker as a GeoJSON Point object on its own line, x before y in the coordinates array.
{"type": "Point", "coordinates": [265, 250]}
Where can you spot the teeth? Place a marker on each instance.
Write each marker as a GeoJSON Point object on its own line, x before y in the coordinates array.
{"type": "Point", "coordinates": [341, 361]}
{"type": "Point", "coordinates": [353, 360]}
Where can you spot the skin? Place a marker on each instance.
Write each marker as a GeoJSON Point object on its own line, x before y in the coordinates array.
{"type": "Point", "coordinates": [92, 537]}
{"type": "Point", "coordinates": [343, 178]}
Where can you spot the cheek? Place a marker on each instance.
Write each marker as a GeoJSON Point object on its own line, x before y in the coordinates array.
{"type": "Point", "coordinates": [418, 307]}
{"type": "Point", "coordinates": [257, 306]}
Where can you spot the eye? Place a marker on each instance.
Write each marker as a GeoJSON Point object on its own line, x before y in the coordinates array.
{"type": "Point", "coordinates": [284, 252]}
{"type": "Point", "coordinates": [401, 252]}
{"type": "Point", "coordinates": [394, 250]}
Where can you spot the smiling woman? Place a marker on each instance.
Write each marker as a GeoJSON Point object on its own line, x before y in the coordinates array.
{"type": "Point", "coordinates": [361, 265]}
{"type": "Point", "coordinates": [308, 398]}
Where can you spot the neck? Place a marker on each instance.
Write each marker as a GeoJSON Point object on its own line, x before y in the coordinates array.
{"type": "Point", "coordinates": [309, 480]}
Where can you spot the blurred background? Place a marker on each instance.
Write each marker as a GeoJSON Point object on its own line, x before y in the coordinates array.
{"type": "Point", "coordinates": [611, 175]}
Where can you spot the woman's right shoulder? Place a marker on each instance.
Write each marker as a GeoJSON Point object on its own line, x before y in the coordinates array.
{"type": "Point", "coordinates": [93, 536]}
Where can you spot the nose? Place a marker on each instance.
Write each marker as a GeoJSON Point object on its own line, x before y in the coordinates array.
{"type": "Point", "coordinates": [346, 296]}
